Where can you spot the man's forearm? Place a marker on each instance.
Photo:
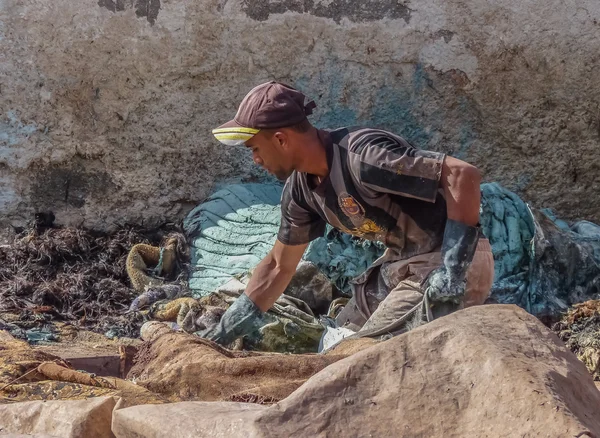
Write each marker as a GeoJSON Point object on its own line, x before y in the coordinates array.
{"type": "Point", "coordinates": [268, 282]}
{"type": "Point", "coordinates": [460, 182]}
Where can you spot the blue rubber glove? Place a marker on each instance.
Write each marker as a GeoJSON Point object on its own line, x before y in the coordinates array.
{"type": "Point", "coordinates": [447, 283]}
{"type": "Point", "coordinates": [242, 318]}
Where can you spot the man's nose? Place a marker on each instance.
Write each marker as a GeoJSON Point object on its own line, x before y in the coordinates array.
{"type": "Point", "coordinates": [257, 159]}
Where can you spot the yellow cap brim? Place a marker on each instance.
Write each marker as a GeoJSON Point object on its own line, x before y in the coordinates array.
{"type": "Point", "coordinates": [234, 135]}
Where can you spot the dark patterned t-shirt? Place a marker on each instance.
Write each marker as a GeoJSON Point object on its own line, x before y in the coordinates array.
{"type": "Point", "coordinates": [379, 187]}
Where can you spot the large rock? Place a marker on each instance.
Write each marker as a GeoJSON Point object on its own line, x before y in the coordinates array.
{"type": "Point", "coordinates": [107, 105]}
{"type": "Point", "coordinates": [490, 371]}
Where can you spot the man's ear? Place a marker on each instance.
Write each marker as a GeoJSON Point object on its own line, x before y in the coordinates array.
{"type": "Point", "coordinates": [282, 139]}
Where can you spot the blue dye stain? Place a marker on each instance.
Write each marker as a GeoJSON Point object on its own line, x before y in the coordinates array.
{"type": "Point", "coordinates": [337, 114]}
{"type": "Point", "coordinates": [394, 110]}
{"type": "Point", "coordinates": [12, 132]}
{"type": "Point", "coordinates": [420, 78]}
{"type": "Point", "coordinates": [396, 107]}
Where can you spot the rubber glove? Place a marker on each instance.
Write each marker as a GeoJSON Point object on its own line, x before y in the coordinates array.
{"type": "Point", "coordinates": [447, 283]}
{"type": "Point", "coordinates": [243, 317]}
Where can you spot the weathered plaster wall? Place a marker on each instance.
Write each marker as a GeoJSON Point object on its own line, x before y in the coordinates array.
{"type": "Point", "coordinates": [106, 106]}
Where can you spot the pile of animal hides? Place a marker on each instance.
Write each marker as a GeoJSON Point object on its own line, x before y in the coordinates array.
{"type": "Point", "coordinates": [187, 277]}
{"type": "Point", "coordinates": [482, 371]}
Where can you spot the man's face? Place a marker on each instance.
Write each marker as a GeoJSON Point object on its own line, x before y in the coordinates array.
{"type": "Point", "coordinates": [271, 151]}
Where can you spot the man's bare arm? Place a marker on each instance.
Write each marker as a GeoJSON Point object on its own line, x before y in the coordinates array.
{"type": "Point", "coordinates": [273, 274]}
{"type": "Point", "coordinates": [460, 182]}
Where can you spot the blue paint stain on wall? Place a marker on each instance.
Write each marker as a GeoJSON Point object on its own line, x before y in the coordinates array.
{"type": "Point", "coordinates": [393, 109]}
{"type": "Point", "coordinates": [7, 195]}
{"type": "Point", "coordinates": [420, 78]}
{"type": "Point", "coordinates": [329, 85]}
{"type": "Point", "coordinates": [467, 131]}
{"type": "Point", "coordinates": [12, 132]}
{"type": "Point", "coordinates": [339, 117]}
{"type": "Point", "coordinates": [408, 106]}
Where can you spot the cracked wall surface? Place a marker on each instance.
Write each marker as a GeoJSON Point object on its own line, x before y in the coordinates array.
{"type": "Point", "coordinates": [106, 106]}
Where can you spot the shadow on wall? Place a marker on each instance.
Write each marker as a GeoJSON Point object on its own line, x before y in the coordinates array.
{"type": "Point", "coordinates": [57, 187]}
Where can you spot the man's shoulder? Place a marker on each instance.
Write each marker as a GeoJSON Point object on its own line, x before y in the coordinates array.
{"type": "Point", "coordinates": [360, 139]}
{"type": "Point", "coordinates": [294, 181]}
{"type": "Point", "coordinates": [351, 135]}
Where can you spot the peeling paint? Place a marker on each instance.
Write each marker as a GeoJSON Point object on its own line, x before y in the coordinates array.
{"type": "Point", "coordinates": [148, 9]}
{"type": "Point", "coordinates": [363, 11]}
{"type": "Point", "coordinates": [143, 8]}
{"type": "Point", "coordinates": [447, 35]}
{"type": "Point", "coordinates": [450, 55]}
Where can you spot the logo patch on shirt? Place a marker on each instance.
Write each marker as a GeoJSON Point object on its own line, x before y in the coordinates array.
{"type": "Point", "coordinates": [363, 227]}
{"type": "Point", "coordinates": [350, 206]}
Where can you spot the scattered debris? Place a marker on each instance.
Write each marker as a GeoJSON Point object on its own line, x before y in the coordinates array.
{"type": "Point", "coordinates": [74, 275]}
{"type": "Point", "coordinates": [580, 330]}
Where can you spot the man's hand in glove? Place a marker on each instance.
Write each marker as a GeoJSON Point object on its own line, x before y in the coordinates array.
{"type": "Point", "coordinates": [447, 283]}
{"type": "Point", "coordinates": [242, 318]}
{"type": "Point", "coordinates": [268, 281]}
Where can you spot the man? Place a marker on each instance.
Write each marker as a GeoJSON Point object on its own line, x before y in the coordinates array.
{"type": "Point", "coordinates": [423, 205]}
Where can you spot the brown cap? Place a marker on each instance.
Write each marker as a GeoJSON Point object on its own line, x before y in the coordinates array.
{"type": "Point", "coordinates": [270, 105]}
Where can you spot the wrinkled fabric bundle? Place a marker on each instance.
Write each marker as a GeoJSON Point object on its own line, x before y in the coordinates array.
{"type": "Point", "coordinates": [542, 264]}
{"type": "Point", "coordinates": [189, 314]}
{"type": "Point", "coordinates": [289, 326]}
{"type": "Point", "coordinates": [182, 366]}
{"type": "Point", "coordinates": [236, 227]}
{"type": "Point", "coordinates": [156, 293]}
{"type": "Point", "coordinates": [342, 257]}
{"type": "Point", "coordinates": [230, 233]}
{"type": "Point", "coordinates": [486, 371]}
{"type": "Point", "coordinates": [149, 265]}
